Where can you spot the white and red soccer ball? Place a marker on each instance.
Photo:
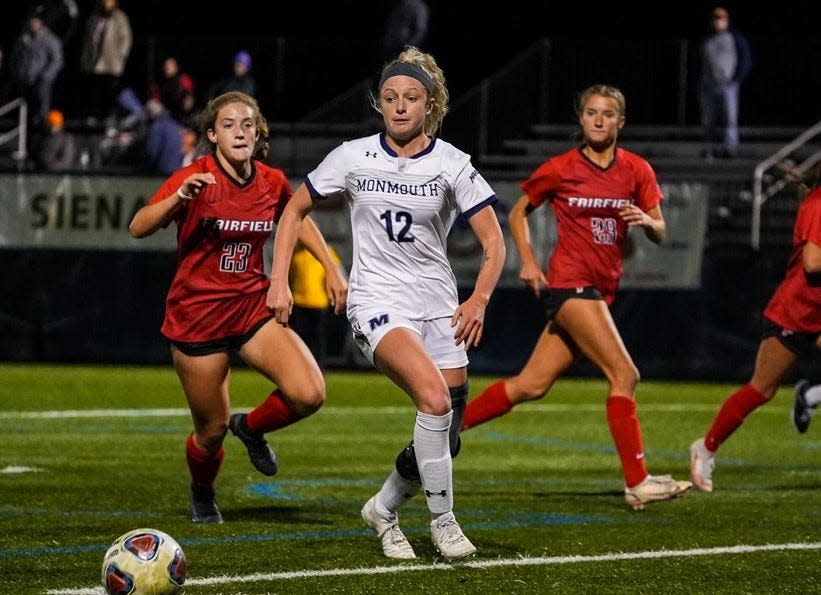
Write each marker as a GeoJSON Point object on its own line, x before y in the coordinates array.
{"type": "Point", "coordinates": [144, 562]}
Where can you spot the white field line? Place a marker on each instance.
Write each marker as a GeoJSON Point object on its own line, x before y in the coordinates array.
{"type": "Point", "coordinates": [538, 561]}
{"type": "Point", "coordinates": [370, 410]}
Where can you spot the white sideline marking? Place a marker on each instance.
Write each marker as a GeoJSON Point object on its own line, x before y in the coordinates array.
{"type": "Point", "coordinates": [15, 469]}
{"type": "Point", "coordinates": [347, 410]}
{"type": "Point", "coordinates": [539, 561]}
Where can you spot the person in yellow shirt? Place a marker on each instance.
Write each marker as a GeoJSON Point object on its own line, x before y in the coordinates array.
{"type": "Point", "coordinates": [306, 278]}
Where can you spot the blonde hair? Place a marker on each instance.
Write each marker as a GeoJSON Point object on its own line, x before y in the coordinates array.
{"type": "Point", "coordinates": [208, 120]}
{"type": "Point", "coordinates": [608, 91]}
{"type": "Point", "coordinates": [439, 94]}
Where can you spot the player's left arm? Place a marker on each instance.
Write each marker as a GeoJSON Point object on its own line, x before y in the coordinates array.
{"type": "Point", "coordinates": [811, 261]}
{"type": "Point", "coordinates": [469, 317]}
{"type": "Point", "coordinates": [651, 221]}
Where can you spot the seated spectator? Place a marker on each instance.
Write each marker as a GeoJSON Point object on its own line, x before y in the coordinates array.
{"type": "Point", "coordinates": [189, 146]}
{"type": "Point", "coordinates": [176, 91]}
{"type": "Point", "coordinates": [240, 80]}
{"type": "Point", "coordinates": [56, 149]}
{"type": "Point", "coordinates": [163, 140]}
{"type": "Point", "coordinates": [124, 142]}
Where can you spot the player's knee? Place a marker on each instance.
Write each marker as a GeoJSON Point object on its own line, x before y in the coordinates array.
{"type": "Point", "coordinates": [625, 379]}
{"type": "Point", "coordinates": [308, 399]}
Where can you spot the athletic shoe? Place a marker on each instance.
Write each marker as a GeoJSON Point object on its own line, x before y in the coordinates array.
{"type": "Point", "coordinates": [801, 411]}
{"type": "Point", "coordinates": [394, 543]}
{"type": "Point", "coordinates": [702, 462]}
{"type": "Point", "coordinates": [448, 538]}
{"type": "Point", "coordinates": [204, 506]}
{"type": "Point", "coordinates": [653, 489]}
{"type": "Point", "coordinates": [261, 455]}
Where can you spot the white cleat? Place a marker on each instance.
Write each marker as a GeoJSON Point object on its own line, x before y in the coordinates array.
{"type": "Point", "coordinates": [655, 488]}
{"type": "Point", "coordinates": [394, 543]}
{"type": "Point", "coordinates": [448, 538]}
{"type": "Point", "coordinates": [702, 462]}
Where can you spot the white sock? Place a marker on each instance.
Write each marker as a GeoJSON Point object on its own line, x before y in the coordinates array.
{"type": "Point", "coordinates": [813, 395]}
{"type": "Point", "coordinates": [430, 441]}
{"type": "Point", "coordinates": [395, 492]}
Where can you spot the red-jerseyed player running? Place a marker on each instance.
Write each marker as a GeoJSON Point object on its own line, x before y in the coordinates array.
{"type": "Point", "coordinates": [597, 192]}
{"type": "Point", "coordinates": [225, 205]}
{"type": "Point", "coordinates": [791, 330]}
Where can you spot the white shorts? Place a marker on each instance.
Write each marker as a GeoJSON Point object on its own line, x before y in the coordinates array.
{"type": "Point", "coordinates": [370, 326]}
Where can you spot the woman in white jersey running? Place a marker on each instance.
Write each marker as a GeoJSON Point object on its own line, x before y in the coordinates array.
{"type": "Point", "coordinates": [405, 187]}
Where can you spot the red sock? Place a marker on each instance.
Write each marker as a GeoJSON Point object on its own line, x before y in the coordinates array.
{"type": "Point", "coordinates": [274, 413]}
{"type": "Point", "coordinates": [202, 465]}
{"type": "Point", "coordinates": [492, 402]}
{"type": "Point", "coordinates": [732, 414]}
{"type": "Point", "coordinates": [626, 432]}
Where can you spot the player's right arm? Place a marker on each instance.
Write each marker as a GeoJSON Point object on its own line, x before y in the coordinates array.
{"type": "Point", "coordinates": [280, 300]}
{"type": "Point", "coordinates": [531, 273]}
{"type": "Point", "coordinates": [158, 212]}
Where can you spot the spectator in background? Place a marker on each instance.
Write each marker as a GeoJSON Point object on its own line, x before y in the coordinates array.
{"type": "Point", "coordinates": [175, 90]}
{"type": "Point", "coordinates": [190, 139]}
{"type": "Point", "coordinates": [61, 16]}
{"type": "Point", "coordinates": [36, 60]}
{"type": "Point", "coordinates": [726, 61]}
{"type": "Point", "coordinates": [56, 148]}
{"type": "Point", "coordinates": [163, 140]}
{"type": "Point", "coordinates": [240, 80]}
{"type": "Point", "coordinates": [306, 277]}
{"type": "Point", "coordinates": [407, 24]}
{"type": "Point", "coordinates": [106, 45]}
{"type": "Point", "coordinates": [124, 142]}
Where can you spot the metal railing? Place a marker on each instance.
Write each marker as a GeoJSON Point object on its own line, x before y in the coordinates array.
{"type": "Point", "coordinates": [20, 131]}
{"type": "Point", "coordinates": [762, 194]}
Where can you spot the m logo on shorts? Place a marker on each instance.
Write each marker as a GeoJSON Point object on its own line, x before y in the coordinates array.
{"type": "Point", "coordinates": [378, 321]}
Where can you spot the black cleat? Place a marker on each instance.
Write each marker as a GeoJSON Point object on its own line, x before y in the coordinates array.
{"type": "Point", "coordinates": [801, 411]}
{"type": "Point", "coordinates": [204, 506]}
{"type": "Point", "coordinates": [262, 457]}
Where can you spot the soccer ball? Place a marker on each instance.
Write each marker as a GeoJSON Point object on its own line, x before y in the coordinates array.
{"type": "Point", "coordinates": [144, 562]}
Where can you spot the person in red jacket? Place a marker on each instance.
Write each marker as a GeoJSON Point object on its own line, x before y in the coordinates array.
{"type": "Point", "coordinates": [597, 192]}
{"type": "Point", "coordinates": [791, 330]}
{"type": "Point", "coordinates": [225, 205]}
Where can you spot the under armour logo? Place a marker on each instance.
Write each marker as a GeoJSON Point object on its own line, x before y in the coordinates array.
{"type": "Point", "coordinates": [443, 493]}
{"type": "Point", "coordinates": [580, 290]}
{"type": "Point", "coordinates": [369, 154]}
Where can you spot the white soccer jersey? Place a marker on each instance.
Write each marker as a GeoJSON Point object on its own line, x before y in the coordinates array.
{"type": "Point", "coordinates": [401, 212]}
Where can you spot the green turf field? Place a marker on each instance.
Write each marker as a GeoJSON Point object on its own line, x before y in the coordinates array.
{"type": "Point", "coordinates": [88, 453]}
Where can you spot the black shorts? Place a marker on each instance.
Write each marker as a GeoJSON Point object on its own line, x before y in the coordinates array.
{"type": "Point", "coordinates": [226, 344]}
{"type": "Point", "coordinates": [799, 343]}
{"type": "Point", "coordinates": [552, 299]}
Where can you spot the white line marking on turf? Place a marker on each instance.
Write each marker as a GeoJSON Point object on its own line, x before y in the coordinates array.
{"type": "Point", "coordinates": [538, 561]}
{"type": "Point", "coordinates": [347, 410]}
{"type": "Point", "coordinates": [14, 469]}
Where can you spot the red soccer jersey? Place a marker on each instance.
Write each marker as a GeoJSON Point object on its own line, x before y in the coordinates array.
{"type": "Point", "coordinates": [796, 305]}
{"type": "Point", "coordinates": [586, 200]}
{"type": "Point", "coordinates": [220, 284]}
